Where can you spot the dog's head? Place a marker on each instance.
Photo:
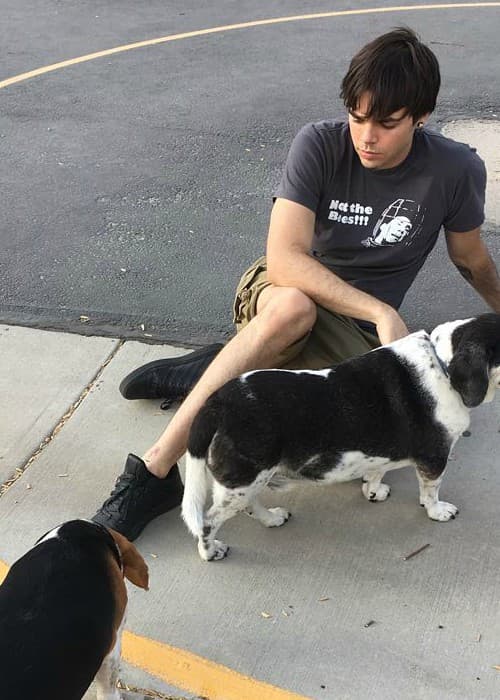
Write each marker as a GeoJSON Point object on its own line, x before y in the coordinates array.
{"type": "Point", "coordinates": [126, 558]}
{"type": "Point", "coordinates": [471, 350]}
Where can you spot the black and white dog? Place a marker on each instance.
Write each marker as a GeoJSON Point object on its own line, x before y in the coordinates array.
{"type": "Point", "coordinates": [403, 404]}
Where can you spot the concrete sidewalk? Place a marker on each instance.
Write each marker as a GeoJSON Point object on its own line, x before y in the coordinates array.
{"type": "Point", "coordinates": [324, 608]}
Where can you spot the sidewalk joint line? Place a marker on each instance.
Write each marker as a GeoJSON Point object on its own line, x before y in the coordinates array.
{"type": "Point", "coordinates": [62, 421]}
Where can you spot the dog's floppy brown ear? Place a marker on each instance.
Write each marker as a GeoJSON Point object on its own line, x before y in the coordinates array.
{"type": "Point", "coordinates": [469, 373]}
{"type": "Point", "coordinates": [134, 566]}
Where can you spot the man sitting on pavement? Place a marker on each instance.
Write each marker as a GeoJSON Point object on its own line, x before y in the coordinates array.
{"type": "Point", "coordinates": [358, 210]}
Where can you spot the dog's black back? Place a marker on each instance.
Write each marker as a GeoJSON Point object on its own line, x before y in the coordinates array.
{"type": "Point", "coordinates": [55, 605]}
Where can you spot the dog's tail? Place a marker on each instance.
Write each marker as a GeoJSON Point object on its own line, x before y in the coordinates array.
{"type": "Point", "coordinates": [197, 479]}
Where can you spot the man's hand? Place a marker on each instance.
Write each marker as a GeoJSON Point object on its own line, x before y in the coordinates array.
{"type": "Point", "coordinates": [390, 326]}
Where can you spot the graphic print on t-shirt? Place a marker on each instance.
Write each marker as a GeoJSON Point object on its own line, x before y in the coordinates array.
{"type": "Point", "coordinates": [350, 213]}
{"type": "Point", "coordinates": [400, 222]}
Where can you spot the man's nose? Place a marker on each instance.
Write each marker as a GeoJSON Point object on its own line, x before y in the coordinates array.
{"type": "Point", "coordinates": [369, 133]}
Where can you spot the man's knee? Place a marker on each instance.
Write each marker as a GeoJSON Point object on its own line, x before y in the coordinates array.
{"type": "Point", "coordinates": [287, 310]}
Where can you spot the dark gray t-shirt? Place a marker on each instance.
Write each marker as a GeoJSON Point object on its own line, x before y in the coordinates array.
{"type": "Point", "coordinates": [375, 228]}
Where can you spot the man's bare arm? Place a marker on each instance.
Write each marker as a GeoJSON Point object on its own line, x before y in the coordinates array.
{"type": "Point", "coordinates": [290, 265]}
{"type": "Point", "coordinates": [472, 259]}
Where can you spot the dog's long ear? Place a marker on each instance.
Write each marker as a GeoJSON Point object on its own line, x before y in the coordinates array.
{"type": "Point", "coordinates": [134, 566]}
{"type": "Point", "coordinates": [469, 373]}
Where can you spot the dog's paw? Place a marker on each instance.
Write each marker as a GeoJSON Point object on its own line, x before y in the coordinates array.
{"type": "Point", "coordinates": [217, 550]}
{"type": "Point", "coordinates": [221, 550]}
{"type": "Point", "coordinates": [276, 517]}
{"type": "Point", "coordinates": [111, 695]}
{"type": "Point", "coordinates": [442, 511]}
{"type": "Point", "coordinates": [378, 493]}
{"type": "Point", "coordinates": [106, 690]}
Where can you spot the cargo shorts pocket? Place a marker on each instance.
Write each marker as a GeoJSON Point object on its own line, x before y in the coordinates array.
{"type": "Point", "coordinates": [252, 282]}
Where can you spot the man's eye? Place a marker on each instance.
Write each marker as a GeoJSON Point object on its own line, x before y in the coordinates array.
{"type": "Point", "coordinates": [388, 125]}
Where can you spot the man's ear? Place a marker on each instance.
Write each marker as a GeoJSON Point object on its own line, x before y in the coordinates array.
{"type": "Point", "coordinates": [469, 373]}
{"type": "Point", "coordinates": [422, 120]}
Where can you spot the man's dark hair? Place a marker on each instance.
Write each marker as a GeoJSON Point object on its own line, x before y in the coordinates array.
{"type": "Point", "coordinates": [397, 71]}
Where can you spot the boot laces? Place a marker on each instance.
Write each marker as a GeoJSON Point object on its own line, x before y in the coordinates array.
{"type": "Point", "coordinates": [115, 502]}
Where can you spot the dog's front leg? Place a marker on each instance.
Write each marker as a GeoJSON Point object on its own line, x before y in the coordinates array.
{"type": "Point", "coordinates": [373, 488]}
{"type": "Point", "coordinates": [107, 675]}
{"type": "Point", "coordinates": [429, 497]}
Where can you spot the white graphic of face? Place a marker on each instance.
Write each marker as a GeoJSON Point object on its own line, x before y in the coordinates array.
{"type": "Point", "coordinates": [394, 230]}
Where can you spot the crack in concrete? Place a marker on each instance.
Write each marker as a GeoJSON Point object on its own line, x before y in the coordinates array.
{"type": "Point", "coordinates": [62, 421]}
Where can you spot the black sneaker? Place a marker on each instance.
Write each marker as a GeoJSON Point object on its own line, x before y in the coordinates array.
{"type": "Point", "coordinates": [170, 379]}
{"type": "Point", "coordinates": [138, 497]}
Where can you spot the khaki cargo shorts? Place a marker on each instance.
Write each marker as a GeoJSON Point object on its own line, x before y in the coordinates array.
{"type": "Point", "coordinates": [332, 339]}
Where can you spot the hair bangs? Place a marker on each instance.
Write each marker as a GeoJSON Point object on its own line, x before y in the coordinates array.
{"type": "Point", "coordinates": [395, 71]}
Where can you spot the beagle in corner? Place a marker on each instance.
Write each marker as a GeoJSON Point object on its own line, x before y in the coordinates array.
{"type": "Point", "coordinates": [403, 404]}
{"type": "Point", "coordinates": [62, 610]}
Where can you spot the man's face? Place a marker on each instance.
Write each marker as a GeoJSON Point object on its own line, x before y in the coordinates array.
{"type": "Point", "coordinates": [395, 230]}
{"type": "Point", "coordinates": [380, 145]}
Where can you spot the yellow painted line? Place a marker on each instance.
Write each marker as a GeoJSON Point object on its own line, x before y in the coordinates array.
{"type": "Point", "coordinates": [189, 672]}
{"type": "Point", "coordinates": [3, 571]}
{"type": "Point", "coordinates": [231, 27]}
{"type": "Point", "coordinates": [196, 674]}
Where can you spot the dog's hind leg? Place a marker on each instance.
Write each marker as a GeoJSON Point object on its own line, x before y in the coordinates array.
{"type": "Point", "coordinates": [270, 517]}
{"type": "Point", "coordinates": [429, 493]}
{"type": "Point", "coordinates": [373, 488]}
{"type": "Point", "coordinates": [107, 675]}
{"type": "Point", "coordinates": [226, 504]}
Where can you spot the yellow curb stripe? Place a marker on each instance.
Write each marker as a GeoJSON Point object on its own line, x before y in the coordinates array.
{"type": "Point", "coordinates": [189, 672]}
{"type": "Point", "coordinates": [231, 27]}
{"type": "Point", "coordinates": [3, 571]}
{"type": "Point", "coordinates": [195, 674]}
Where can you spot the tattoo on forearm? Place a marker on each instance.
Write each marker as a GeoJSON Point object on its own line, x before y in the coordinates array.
{"type": "Point", "coordinates": [466, 273]}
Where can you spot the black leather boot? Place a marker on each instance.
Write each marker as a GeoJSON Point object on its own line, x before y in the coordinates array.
{"type": "Point", "coordinates": [170, 379]}
{"type": "Point", "coordinates": [138, 497]}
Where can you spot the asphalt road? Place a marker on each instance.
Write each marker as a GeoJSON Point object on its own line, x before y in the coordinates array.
{"type": "Point", "coordinates": [136, 187]}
